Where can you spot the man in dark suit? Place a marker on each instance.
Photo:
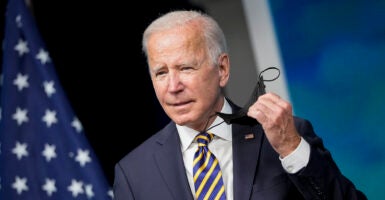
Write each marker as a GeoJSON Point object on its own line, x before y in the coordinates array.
{"type": "Point", "coordinates": [268, 154]}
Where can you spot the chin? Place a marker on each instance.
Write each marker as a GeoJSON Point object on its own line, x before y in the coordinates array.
{"type": "Point", "coordinates": [182, 120]}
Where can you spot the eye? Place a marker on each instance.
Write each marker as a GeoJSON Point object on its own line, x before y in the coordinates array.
{"type": "Point", "coordinates": [160, 73]}
{"type": "Point", "coordinates": [186, 68]}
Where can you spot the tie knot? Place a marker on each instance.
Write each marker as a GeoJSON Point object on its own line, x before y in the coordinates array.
{"type": "Point", "coordinates": [203, 138]}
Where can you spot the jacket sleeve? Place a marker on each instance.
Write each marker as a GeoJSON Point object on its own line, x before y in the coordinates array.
{"type": "Point", "coordinates": [321, 178]}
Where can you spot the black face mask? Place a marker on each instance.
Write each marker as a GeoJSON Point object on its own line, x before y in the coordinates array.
{"type": "Point", "coordinates": [259, 89]}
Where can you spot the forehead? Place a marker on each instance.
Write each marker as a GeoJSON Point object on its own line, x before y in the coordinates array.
{"type": "Point", "coordinates": [182, 38]}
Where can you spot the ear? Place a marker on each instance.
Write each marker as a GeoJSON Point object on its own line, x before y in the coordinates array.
{"type": "Point", "coordinates": [224, 69]}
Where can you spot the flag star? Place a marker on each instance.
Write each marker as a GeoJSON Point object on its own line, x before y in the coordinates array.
{"type": "Point", "coordinates": [49, 186]}
{"type": "Point", "coordinates": [20, 150]}
{"type": "Point", "coordinates": [77, 125]}
{"type": "Point", "coordinates": [83, 157]}
{"type": "Point", "coordinates": [49, 88]}
{"type": "Point", "coordinates": [43, 56]}
{"type": "Point", "coordinates": [18, 21]}
{"type": "Point", "coordinates": [50, 117]}
{"type": "Point", "coordinates": [76, 188]}
{"type": "Point", "coordinates": [21, 81]}
{"type": "Point", "coordinates": [20, 115]}
{"type": "Point", "coordinates": [89, 191]}
{"type": "Point", "coordinates": [110, 193]}
{"type": "Point", "coordinates": [20, 184]}
{"type": "Point", "coordinates": [49, 152]}
{"type": "Point", "coordinates": [22, 47]}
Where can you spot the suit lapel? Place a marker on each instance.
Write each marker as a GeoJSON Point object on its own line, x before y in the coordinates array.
{"type": "Point", "coordinates": [246, 149]}
{"type": "Point", "coordinates": [171, 165]}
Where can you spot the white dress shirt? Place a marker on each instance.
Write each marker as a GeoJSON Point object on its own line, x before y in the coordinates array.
{"type": "Point", "coordinates": [221, 147]}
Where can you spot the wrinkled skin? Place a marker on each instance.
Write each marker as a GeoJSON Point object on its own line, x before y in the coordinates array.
{"type": "Point", "coordinates": [276, 117]}
{"type": "Point", "coordinates": [187, 84]}
{"type": "Point", "coordinates": [189, 87]}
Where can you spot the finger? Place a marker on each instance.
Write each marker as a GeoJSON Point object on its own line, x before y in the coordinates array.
{"type": "Point", "coordinates": [258, 115]}
{"type": "Point", "coordinates": [276, 103]}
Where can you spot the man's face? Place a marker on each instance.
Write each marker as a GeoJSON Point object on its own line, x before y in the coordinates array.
{"type": "Point", "coordinates": [187, 84]}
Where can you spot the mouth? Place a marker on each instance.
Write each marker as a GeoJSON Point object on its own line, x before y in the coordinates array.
{"type": "Point", "coordinates": [179, 104]}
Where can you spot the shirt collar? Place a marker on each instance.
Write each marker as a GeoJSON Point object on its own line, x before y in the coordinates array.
{"type": "Point", "coordinates": [222, 130]}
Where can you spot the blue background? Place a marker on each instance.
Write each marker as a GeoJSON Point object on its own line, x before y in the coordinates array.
{"type": "Point", "coordinates": [334, 58]}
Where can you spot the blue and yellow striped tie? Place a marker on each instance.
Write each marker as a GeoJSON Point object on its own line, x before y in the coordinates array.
{"type": "Point", "coordinates": [207, 173]}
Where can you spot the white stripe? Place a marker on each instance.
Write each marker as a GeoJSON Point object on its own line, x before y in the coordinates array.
{"type": "Point", "coordinates": [264, 44]}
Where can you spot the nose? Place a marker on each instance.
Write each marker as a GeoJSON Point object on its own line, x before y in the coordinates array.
{"type": "Point", "coordinates": [174, 83]}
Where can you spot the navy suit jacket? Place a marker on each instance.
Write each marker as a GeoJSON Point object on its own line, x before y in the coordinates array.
{"type": "Point", "coordinates": [155, 169]}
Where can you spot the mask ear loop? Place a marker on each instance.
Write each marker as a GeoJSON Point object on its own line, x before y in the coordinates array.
{"type": "Point", "coordinates": [268, 80]}
{"type": "Point", "coordinates": [259, 90]}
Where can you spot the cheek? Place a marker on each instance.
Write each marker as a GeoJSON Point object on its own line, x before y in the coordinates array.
{"type": "Point", "coordinates": [209, 84]}
{"type": "Point", "coordinates": [207, 89]}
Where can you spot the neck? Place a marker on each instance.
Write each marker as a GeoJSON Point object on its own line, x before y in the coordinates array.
{"type": "Point", "coordinates": [213, 114]}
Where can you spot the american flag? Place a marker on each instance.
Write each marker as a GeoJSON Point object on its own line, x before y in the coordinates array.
{"type": "Point", "coordinates": [44, 153]}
